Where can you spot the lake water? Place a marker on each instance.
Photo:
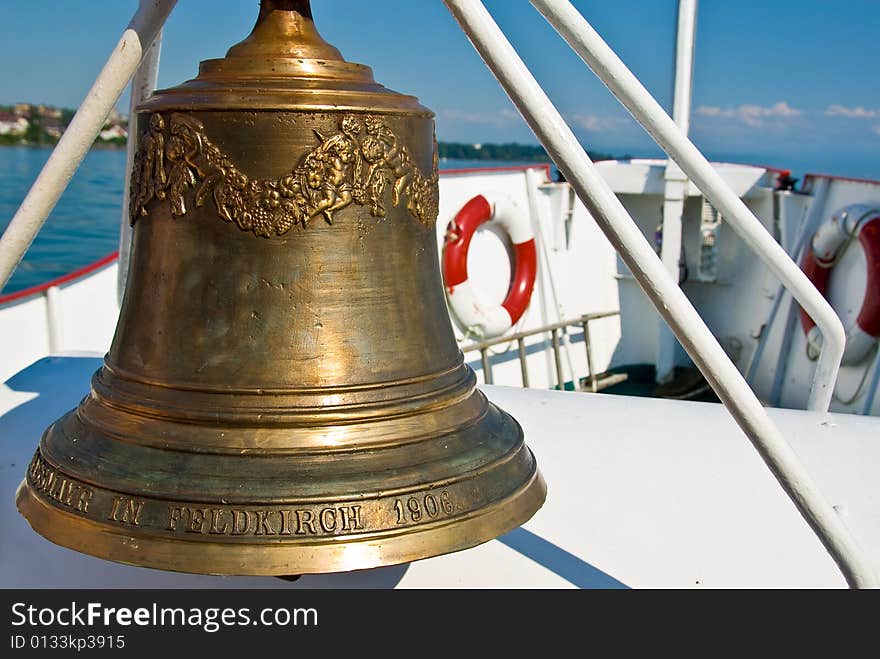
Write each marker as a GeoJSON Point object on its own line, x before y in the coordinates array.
{"type": "Point", "coordinates": [85, 224]}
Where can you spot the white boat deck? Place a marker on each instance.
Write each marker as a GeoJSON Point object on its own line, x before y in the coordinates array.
{"type": "Point", "coordinates": [642, 493]}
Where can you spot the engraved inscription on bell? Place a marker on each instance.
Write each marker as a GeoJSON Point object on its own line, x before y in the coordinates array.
{"type": "Point", "coordinates": [328, 520]}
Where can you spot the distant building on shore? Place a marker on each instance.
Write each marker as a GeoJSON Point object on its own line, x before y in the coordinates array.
{"type": "Point", "coordinates": [43, 125]}
{"type": "Point", "coordinates": [48, 112]}
{"type": "Point", "coordinates": [115, 132]}
{"type": "Point", "coordinates": [10, 124]}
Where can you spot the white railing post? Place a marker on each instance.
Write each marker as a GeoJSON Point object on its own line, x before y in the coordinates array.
{"type": "Point", "coordinates": [53, 320]}
{"type": "Point", "coordinates": [686, 37]}
{"type": "Point", "coordinates": [675, 185]}
{"type": "Point", "coordinates": [81, 133]}
{"type": "Point", "coordinates": [556, 136]}
{"type": "Point", "coordinates": [605, 63]}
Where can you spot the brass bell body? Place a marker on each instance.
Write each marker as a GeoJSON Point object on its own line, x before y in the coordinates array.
{"type": "Point", "coordinates": [284, 393]}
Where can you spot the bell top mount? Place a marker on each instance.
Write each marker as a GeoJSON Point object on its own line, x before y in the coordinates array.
{"type": "Point", "coordinates": [284, 64]}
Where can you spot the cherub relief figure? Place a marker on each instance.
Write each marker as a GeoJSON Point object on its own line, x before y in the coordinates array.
{"type": "Point", "coordinates": [387, 154]}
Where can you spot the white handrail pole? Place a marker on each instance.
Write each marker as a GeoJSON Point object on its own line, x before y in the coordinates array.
{"type": "Point", "coordinates": [142, 86]}
{"type": "Point", "coordinates": [605, 63]}
{"type": "Point", "coordinates": [81, 133]}
{"type": "Point", "coordinates": [684, 64]}
{"type": "Point", "coordinates": [544, 119]}
{"type": "Point", "coordinates": [675, 182]}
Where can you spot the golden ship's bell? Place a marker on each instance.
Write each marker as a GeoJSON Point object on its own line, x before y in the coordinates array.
{"type": "Point", "coordinates": [284, 393]}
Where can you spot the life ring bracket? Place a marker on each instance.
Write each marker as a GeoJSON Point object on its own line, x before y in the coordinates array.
{"type": "Point", "coordinates": [827, 247]}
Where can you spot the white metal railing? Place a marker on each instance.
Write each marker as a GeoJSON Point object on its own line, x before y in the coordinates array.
{"type": "Point", "coordinates": [619, 228]}
{"type": "Point", "coordinates": [605, 63]}
{"type": "Point", "coordinates": [592, 379]}
{"type": "Point", "coordinates": [81, 133]}
{"type": "Point", "coordinates": [675, 182]}
{"type": "Point", "coordinates": [571, 158]}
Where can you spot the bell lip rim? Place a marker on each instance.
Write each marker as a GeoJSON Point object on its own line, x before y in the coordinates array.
{"type": "Point", "coordinates": [478, 527]}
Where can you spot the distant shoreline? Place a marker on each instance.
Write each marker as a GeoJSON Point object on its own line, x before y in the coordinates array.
{"type": "Point", "coordinates": [40, 126]}
{"type": "Point", "coordinates": [98, 147]}
{"type": "Point", "coordinates": [521, 153]}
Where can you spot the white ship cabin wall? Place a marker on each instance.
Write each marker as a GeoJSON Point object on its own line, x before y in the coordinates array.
{"type": "Point", "coordinates": [77, 317]}
{"type": "Point", "coordinates": [737, 299]}
{"type": "Point", "coordinates": [588, 276]}
{"type": "Point", "coordinates": [736, 302]}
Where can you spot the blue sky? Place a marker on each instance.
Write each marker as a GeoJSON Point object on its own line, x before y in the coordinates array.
{"type": "Point", "coordinates": [784, 82]}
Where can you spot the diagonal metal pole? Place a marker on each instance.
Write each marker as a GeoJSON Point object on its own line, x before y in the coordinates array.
{"type": "Point", "coordinates": [545, 120]}
{"type": "Point", "coordinates": [81, 133]}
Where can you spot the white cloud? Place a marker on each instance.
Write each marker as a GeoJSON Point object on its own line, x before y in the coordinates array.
{"type": "Point", "coordinates": [857, 112]}
{"type": "Point", "coordinates": [497, 118]}
{"type": "Point", "coordinates": [507, 117]}
{"type": "Point", "coordinates": [751, 115]}
{"type": "Point", "coordinates": [593, 122]}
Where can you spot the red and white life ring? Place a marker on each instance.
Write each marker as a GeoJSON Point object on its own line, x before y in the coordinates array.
{"type": "Point", "coordinates": [480, 319]}
{"type": "Point", "coordinates": [827, 246]}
